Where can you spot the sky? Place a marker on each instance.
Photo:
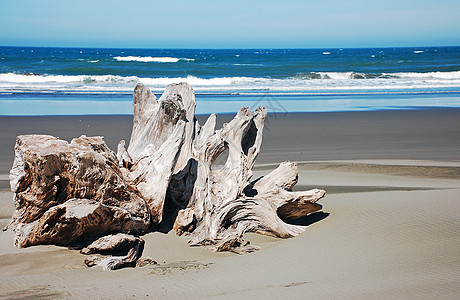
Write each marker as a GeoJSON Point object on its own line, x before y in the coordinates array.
{"type": "Point", "coordinates": [230, 24]}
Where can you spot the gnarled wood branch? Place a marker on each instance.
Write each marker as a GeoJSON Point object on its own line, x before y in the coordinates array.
{"type": "Point", "coordinates": [73, 193]}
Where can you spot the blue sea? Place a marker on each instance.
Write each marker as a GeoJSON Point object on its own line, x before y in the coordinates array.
{"type": "Point", "coordinates": [69, 81]}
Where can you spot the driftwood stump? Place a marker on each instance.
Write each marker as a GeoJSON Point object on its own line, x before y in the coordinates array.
{"type": "Point", "coordinates": [82, 193]}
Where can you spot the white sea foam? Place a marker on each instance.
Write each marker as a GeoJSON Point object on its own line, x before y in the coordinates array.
{"type": "Point", "coordinates": [335, 75]}
{"type": "Point", "coordinates": [326, 53]}
{"type": "Point", "coordinates": [152, 59]}
{"type": "Point", "coordinates": [432, 75]}
{"type": "Point", "coordinates": [418, 51]}
{"type": "Point", "coordinates": [308, 83]}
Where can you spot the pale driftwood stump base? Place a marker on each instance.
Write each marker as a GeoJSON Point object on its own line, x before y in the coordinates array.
{"type": "Point", "coordinates": [82, 193]}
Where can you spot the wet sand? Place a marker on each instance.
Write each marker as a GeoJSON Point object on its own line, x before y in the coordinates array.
{"type": "Point", "coordinates": [389, 226]}
{"type": "Point", "coordinates": [418, 134]}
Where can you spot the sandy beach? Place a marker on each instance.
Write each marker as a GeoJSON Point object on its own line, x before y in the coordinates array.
{"type": "Point", "coordinates": [389, 226]}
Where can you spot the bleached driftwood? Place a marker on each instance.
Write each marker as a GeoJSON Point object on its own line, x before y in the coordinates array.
{"type": "Point", "coordinates": [68, 192]}
{"type": "Point", "coordinates": [124, 249]}
{"type": "Point", "coordinates": [75, 193]}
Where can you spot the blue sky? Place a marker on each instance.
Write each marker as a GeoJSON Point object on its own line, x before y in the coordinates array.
{"type": "Point", "coordinates": [230, 24]}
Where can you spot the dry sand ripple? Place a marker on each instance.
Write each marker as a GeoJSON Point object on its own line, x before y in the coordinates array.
{"type": "Point", "coordinates": [370, 242]}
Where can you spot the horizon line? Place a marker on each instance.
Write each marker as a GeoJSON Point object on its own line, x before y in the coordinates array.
{"type": "Point", "coordinates": [224, 48]}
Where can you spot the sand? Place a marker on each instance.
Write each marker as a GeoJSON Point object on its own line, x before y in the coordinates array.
{"type": "Point", "coordinates": [420, 135]}
{"type": "Point", "coordinates": [389, 227]}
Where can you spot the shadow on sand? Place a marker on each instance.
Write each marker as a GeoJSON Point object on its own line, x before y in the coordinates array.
{"type": "Point", "coordinates": [309, 219]}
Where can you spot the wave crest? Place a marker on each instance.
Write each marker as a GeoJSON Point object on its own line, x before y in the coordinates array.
{"type": "Point", "coordinates": [454, 75]}
{"type": "Point", "coordinates": [341, 75]}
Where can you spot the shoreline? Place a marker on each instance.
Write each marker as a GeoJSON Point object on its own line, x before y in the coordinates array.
{"type": "Point", "coordinates": [56, 104]}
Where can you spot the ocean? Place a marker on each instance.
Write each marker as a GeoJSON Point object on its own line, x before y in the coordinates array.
{"type": "Point", "coordinates": [70, 81]}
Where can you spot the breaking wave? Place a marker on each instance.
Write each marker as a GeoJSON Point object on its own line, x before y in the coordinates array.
{"type": "Point", "coordinates": [355, 75]}
{"type": "Point", "coordinates": [309, 82]}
